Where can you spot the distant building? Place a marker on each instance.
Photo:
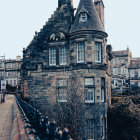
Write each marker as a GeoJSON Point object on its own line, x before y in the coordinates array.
{"type": "Point", "coordinates": [120, 71]}
{"type": "Point", "coordinates": [134, 73]}
{"type": "Point", "coordinates": [71, 45]}
{"type": "Point", "coordinates": [12, 71]}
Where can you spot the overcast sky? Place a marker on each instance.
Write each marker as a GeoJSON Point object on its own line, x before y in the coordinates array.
{"type": "Point", "coordinates": [19, 19]}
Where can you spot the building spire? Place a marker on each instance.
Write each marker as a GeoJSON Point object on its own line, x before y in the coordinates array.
{"type": "Point", "coordinates": [93, 20]}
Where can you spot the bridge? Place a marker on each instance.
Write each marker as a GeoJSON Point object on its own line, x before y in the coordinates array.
{"type": "Point", "coordinates": [19, 120]}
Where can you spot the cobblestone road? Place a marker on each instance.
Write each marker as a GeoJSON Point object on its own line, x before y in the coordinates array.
{"type": "Point", "coordinates": [6, 118]}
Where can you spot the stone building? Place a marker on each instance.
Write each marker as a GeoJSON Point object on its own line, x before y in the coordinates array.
{"type": "Point", "coordinates": [120, 71]}
{"type": "Point", "coordinates": [69, 45]}
{"type": "Point", "coordinates": [134, 74]}
{"type": "Point", "coordinates": [12, 71]}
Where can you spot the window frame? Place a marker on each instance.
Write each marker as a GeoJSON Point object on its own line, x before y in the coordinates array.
{"type": "Point", "coordinates": [62, 87]}
{"type": "Point", "coordinates": [89, 87]}
{"type": "Point", "coordinates": [79, 53]}
{"type": "Point", "coordinates": [115, 71]}
{"type": "Point", "coordinates": [103, 97]}
{"type": "Point", "coordinates": [98, 52]}
{"type": "Point", "coordinates": [90, 130]}
{"type": "Point", "coordinates": [83, 17]}
{"type": "Point", "coordinates": [122, 70]}
{"type": "Point", "coordinates": [138, 72]}
{"type": "Point", "coordinates": [132, 73]}
{"type": "Point", "coordinates": [51, 57]}
{"type": "Point", "coordinates": [62, 55]}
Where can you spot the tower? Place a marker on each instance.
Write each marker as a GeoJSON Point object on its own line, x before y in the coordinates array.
{"type": "Point", "coordinates": [88, 47]}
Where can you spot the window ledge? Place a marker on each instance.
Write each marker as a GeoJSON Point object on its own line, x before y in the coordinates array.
{"type": "Point", "coordinates": [80, 61]}
{"type": "Point", "coordinates": [91, 102]}
{"type": "Point", "coordinates": [62, 101]}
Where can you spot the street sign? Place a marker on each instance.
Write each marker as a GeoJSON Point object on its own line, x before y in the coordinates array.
{"type": "Point", "coordinates": [3, 84]}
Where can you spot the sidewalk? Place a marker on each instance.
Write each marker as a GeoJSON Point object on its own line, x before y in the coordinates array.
{"type": "Point", "coordinates": [6, 118]}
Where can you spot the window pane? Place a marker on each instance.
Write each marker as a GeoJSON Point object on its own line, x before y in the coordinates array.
{"type": "Point", "coordinates": [83, 17]}
{"type": "Point", "coordinates": [102, 82]}
{"type": "Point", "coordinates": [89, 81]}
{"type": "Point", "coordinates": [98, 47]}
{"type": "Point", "coordinates": [80, 52]}
{"type": "Point", "coordinates": [132, 73]}
{"type": "Point", "coordinates": [90, 129]}
{"type": "Point", "coordinates": [62, 83]}
{"type": "Point", "coordinates": [52, 56]}
{"type": "Point", "coordinates": [89, 95]}
{"type": "Point", "coordinates": [138, 72]}
{"type": "Point", "coordinates": [102, 94]}
{"type": "Point", "coordinates": [62, 95]}
{"type": "Point", "coordinates": [63, 56]}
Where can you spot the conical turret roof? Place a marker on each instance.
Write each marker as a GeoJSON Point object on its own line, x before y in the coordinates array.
{"type": "Point", "coordinates": [93, 21]}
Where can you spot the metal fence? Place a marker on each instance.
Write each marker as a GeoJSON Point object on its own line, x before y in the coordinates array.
{"type": "Point", "coordinates": [40, 125]}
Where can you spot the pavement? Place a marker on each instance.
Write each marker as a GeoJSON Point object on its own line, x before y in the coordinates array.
{"type": "Point", "coordinates": [6, 110]}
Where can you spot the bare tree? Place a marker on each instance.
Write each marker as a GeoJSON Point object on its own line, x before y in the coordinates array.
{"type": "Point", "coordinates": [71, 114]}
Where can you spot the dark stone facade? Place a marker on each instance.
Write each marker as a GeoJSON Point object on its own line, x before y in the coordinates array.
{"type": "Point", "coordinates": [41, 70]}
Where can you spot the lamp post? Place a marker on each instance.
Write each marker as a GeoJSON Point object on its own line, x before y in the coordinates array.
{"type": "Point", "coordinates": [3, 83]}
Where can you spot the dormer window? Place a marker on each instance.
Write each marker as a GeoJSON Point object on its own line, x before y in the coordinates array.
{"type": "Point", "coordinates": [83, 17]}
{"type": "Point", "coordinates": [83, 14]}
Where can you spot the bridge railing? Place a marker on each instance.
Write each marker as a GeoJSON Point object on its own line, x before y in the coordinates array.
{"type": "Point", "coordinates": [40, 125]}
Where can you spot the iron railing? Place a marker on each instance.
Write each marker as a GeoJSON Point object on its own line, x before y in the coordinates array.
{"type": "Point", "coordinates": [40, 125]}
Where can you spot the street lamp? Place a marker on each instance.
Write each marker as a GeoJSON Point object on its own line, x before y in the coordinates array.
{"type": "Point", "coordinates": [3, 83]}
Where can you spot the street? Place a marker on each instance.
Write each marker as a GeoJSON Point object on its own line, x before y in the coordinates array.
{"type": "Point", "coordinates": [6, 118]}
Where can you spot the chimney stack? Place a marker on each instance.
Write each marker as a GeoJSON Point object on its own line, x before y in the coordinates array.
{"type": "Point", "coordinates": [100, 9]}
{"type": "Point", "coordinates": [63, 2]}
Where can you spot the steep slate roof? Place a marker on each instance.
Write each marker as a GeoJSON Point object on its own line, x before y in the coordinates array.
{"type": "Point", "coordinates": [93, 22]}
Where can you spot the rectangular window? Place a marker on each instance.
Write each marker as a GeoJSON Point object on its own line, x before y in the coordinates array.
{"type": "Point", "coordinates": [80, 53]}
{"type": "Point", "coordinates": [132, 84]}
{"type": "Point", "coordinates": [132, 73]}
{"type": "Point", "coordinates": [62, 95]}
{"type": "Point", "coordinates": [115, 82]}
{"type": "Point", "coordinates": [138, 84]}
{"type": "Point", "coordinates": [115, 71]}
{"type": "Point", "coordinates": [63, 56]}
{"type": "Point", "coordinates": [102, 89]}
{"type": "Point", "coordinates": [11, 82]}
{"type": "Point", "coordinates": [89, 90]}
{"type": "Point", "coordinates": [14, 82]}
{"type": "Point", "coordinates": [103, 128]}
{"type": "Point", "coordinates": [138, 72]}
{"type": "Point", "coordinates": [83, 17]}
{"type": "Point", "coordinates": [123, 70]}
{"type": "Point", "coordinates": [52, 56]}
{"type": "Point", "coordinates": [62, 90]}
{"type": "Point", "coordinates": [90, 129]}
{"type": "Point", "coordinates": [98, 47]}
{"type": "Point", "coordinates": [114, 60]}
